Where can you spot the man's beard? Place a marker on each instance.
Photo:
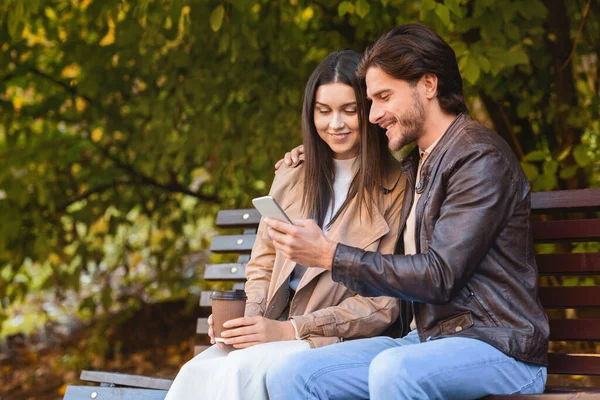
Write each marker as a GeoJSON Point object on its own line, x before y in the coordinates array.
{"type": "Point", "coordinates": [412, 123]}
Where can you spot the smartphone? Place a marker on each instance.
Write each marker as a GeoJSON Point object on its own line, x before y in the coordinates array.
{"type": "Point", "coordinates": [268, 207]}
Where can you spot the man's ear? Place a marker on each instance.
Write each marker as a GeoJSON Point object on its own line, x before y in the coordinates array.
{"type": "Point", "coordinates": [430, 82]}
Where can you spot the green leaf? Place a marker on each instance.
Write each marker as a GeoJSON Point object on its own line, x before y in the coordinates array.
{"type": "Point", "coordinates": [581, 156]}
{"type": "Point", "coordinates": [523, 108]}
{"type": "Point", "coordinates": [362, 8]}
{"type": "Point", "coordinates": [550, 168]}
{"type": "Point", "coordinates": [536, 155]}
{"type": "Point", "coordinates": [345, 7]}
{"type": "Point", "coordinates": [568, 172]}
{"type": "Point", "coordinates": [484, 63]}
{"type": "Point", "coordinates": [454, 6]}
{"type": "Point", "coordinates": [443, 12]}
{"type": "Point", "coordinates": [471, 72]}
{"type": "Point", "coordinates": [216, 18]}
{"type": "Point", "coordinates": [530, 170]}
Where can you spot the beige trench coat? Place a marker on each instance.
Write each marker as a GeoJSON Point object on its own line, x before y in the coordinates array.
{"type": "Point", "coordinates": [324, 311]}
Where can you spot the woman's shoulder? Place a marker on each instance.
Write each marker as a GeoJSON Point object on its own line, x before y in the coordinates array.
{"type": "Point", "coordinates": [287, 179]}
{"type": "Point", "coordinates": [394, 179]}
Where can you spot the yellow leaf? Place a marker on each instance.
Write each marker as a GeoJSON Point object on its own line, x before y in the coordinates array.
{"type": "Point", "coordinates": [62, 390]}
{"type": "Point", "coordinates": [308, 13]}
{"type": "Point", "coordinates": [17, 103]}
{"type": "Point", "coordinates": [97, 134]}
{"type": "Point", "coordinates": [80, 104]}
{"type": "Point", "coordinates": [71, 71]}
{"type": "Point", "coordinates": [84, 4]}
{"type": "Point", "coordinates": [110, 36]}
{"type": "Point", "coordinates": [5, 47]}
{"type": "Point", "coordinates": [75, 168]}
{"type": "Point", "coordinates": [54, 258]}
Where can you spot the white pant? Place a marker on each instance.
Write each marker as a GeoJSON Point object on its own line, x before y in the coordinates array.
{"type": "Point", "coordinates": [229, 375]}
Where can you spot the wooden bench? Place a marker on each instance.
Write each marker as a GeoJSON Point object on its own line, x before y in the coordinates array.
{"type": "Point", "coordinates": [124, 386]}
{"type": "Point", "coordinates": [574, 311]}
{"type": "Point", "coordinates": [565, 218]}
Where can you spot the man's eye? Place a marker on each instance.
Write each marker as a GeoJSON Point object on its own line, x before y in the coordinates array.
{"type": "Point", "coordinates": [384, 97]}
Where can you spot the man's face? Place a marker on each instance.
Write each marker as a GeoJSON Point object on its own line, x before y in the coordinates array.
{"type": "Point", "coordinates": [396, 107]}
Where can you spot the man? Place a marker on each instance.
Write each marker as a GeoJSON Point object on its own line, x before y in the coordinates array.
{"type": "Point", "coordinates": [464, 265]}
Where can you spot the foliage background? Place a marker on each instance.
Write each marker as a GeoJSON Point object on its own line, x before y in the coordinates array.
{"type": "Point", "coordinates": [125, 125]}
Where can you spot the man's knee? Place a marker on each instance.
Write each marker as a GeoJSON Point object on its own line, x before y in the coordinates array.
{"type": "Point", "coordinates": [397, 370]}
{"type": "Point", "coordinates": [284, 373]}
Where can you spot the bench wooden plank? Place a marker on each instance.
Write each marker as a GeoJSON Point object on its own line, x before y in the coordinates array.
{"type": "Point", "coordinates": [126, 379]}
{"type": "Point", "coordinates": [573, 364]}
{"type": "Point", "coordinates": [112, 393]}
{"type": "Point", "coordinates": [202, 326]}
{"type": "Point", "coordinates": [248, 217]}
{"type": "Point", "coordinates": [579, 230]}
{"type": "Point", "coordinates": [545, 396]}
{"type": "Point", "coordinates": [225, 272]}
{"type": "Point", "coordinates": [565, 200]}
{"type": "Point", "coordinates": [575, 329]}
{"type": "Point", "coordinates": [232, 243]}
{"type": "Point", "coordinates": [570, 296]}
{"type": "Point", "coordinates": [568, 263]}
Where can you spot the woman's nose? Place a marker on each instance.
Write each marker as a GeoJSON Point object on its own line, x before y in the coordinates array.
{"type": "Point", "coordinates": [336, 122]}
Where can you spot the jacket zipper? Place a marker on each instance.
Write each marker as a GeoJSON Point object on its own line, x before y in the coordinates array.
{"type": "Point", "coordinates": [479, 305]}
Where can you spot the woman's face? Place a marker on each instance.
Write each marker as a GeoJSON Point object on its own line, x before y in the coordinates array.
{"type": "Point", "coordinates": [336, 119]}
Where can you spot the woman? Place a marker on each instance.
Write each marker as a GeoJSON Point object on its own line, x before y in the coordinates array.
{"type": "Point", "coordinates": [355, 200]}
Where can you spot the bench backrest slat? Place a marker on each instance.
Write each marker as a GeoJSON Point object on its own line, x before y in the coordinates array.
{"type": "Point", "coordinates": [570, 296]}
{"type": "Point", "coordinates": [575, 329]}
{"type": "Point", "coordinates": [565, 200]}
{"type": "Point", "coordinates": [568, 263]}
{"type": "Point", "coordinates": [582, 230]}
{"type": "Point", "coordinates": [580, 364]}
{"type": "Point", "coordinates": [225, 272]}
{"type": "Point", "coordinates": [232, 243]}
{"type": "Point", "coordinates": [243, 218]}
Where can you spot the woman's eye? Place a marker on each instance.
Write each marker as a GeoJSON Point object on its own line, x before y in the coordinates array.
{"type": "Point", "coordinates": [351, 110]}
{"type": "Point", "coordinates": [320, 111]}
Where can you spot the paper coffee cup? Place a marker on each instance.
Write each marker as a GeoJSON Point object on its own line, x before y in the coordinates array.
{"type": "Point", "coordinates": [226, 305]}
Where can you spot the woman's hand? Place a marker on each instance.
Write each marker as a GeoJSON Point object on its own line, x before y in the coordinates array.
{"type": "Point", "coordinates": [211, 332]}
{"type": "Point", "coordinates": [249, 331]}
{"type": "Point", "coordinates": [292, 158]}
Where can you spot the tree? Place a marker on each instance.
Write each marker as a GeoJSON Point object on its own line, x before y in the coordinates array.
{"type": "Point", "coordinates": [126, 124]}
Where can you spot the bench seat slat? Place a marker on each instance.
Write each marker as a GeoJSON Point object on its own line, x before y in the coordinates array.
{"type": "Point", "coordinates": [574, 364]}
{"type": "Point", "coordinates": [546, 396]}
{"type": "Point", "coordinates": [575, 329]}
{"type": "Point", "coordinates": [570, 296]}
{"type": "Point", "coordinates": [565, 200]}
{"type": "Point", "coordinates": [112, 393]}
{"type": "Point", "coordinates": [579, 230]}
{"type": "Point", "coordinates": [568, 263]}
{"type": "Point", "coordinates": [244, 218]}
{"type": "Point", "coordinates": [126, 379]}
{"type": "Point", "coordinates": [225, 272]}
{"type": "Point", "coordinates": [232, 244]}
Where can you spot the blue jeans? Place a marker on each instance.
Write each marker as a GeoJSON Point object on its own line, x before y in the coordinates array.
{"type": "Point", "coordinates": [386, 368]}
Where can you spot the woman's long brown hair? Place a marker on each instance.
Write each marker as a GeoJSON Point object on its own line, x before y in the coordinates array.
{"type": "Point", "coordinates": [373, 154]}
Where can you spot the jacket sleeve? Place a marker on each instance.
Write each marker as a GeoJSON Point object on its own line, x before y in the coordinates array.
{"type": "Point", "coordinates": [480, 197]}
{"type": "Point", "coordinates": [359, 316]}
{"type": "Point", "coordinates": [260, 267]}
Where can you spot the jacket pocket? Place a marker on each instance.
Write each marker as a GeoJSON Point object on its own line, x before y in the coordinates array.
{"type": "Point", "coordinates": [456, 324]}
{"type": "Point", "coordinates": [472, 298]}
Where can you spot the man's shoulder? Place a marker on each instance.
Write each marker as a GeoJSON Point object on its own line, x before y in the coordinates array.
{"type": "Point", "coordinates": [475, 138]}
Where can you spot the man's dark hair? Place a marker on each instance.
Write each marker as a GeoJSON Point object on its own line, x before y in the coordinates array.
{"type": "Point", "coordinates": [412, 50]}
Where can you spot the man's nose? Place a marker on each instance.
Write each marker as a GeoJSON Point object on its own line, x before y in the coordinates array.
{"type": "Point", "coordinates": [375, 114]}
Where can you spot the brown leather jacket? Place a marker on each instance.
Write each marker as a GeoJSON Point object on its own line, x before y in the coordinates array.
{"type": "Point", "coordinates": [475, 273]}
{"type": "Point", "coordinates": [324, 311]}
